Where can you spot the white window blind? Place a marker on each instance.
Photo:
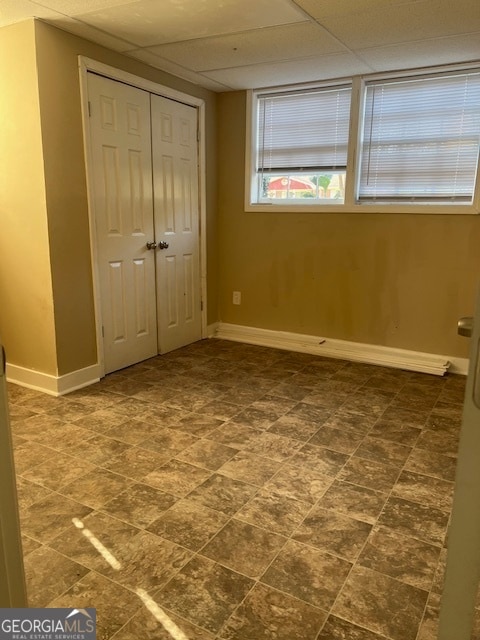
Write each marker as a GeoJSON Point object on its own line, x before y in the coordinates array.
{"type": "Point", "coordinates": [303, 131]}
{"type": "Point", "coordinates": [420, 139]}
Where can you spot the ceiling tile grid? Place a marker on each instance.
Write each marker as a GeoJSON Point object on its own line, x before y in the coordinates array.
{"type": "Point", "coordinates": [237, 44]}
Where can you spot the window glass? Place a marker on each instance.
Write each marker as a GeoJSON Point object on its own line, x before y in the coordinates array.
{"type": "Point", "coordinates": [302, 141]}
{"type": "Point", "coordinates": [421, 139]}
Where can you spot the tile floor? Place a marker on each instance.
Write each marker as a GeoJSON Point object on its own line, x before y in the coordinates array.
{"type": "Point", "coordinates": [250, 493]}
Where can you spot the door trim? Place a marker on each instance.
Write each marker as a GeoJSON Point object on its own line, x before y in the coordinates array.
{"type": "Point", "coordinates": [85, 65]}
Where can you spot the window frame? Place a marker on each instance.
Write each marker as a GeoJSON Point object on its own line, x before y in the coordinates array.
{"type": "Point", "coordinates": [352, 177]}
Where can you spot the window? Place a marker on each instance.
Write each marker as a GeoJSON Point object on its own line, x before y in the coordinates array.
{"type": "Point", "coordinates": [418, 145]}
{"type": "Point", "coordinates": [420, 139]}
{"type": "Point", "coordinates": [301, 147]}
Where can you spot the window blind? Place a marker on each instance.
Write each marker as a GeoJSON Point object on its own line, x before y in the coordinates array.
{"type": "Point", "coordinates": [303, 130]}
{"type": "Point", "coordinates": [420, 139]}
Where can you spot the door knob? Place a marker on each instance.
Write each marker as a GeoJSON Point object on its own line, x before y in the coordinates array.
{"type": "Point", "coordinates": [162, 244]}
{"type": "Point", "coordinates": [465, 327]}
{"type": "Point", "coordinates": [152, 245]}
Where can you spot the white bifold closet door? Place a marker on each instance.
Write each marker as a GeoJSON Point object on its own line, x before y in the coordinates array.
{"type": "Point", "coordinates": [145, 194]}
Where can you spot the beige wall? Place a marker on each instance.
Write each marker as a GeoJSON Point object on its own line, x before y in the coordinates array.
{"type": "Point", "coordinates": [65, 187]}
{"type": "Point", "coordinates": [394, 280]}
{"type": "Point", "coordinates": [26, 303]}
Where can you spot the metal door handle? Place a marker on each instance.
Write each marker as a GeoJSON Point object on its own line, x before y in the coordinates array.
{"type": "Point", "coordinates": [162, 244]}
{"type": "Point", "coordinates": [151, 245]}
{"type": "Point", "coordinates": [465, 327]}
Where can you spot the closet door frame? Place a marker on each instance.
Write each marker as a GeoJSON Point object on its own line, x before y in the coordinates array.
{"type": "Point", "coordinates": [85, 65]}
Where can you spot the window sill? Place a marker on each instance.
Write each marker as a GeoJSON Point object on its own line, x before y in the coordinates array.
{"type": "Point", "coordinates": [426, 209]}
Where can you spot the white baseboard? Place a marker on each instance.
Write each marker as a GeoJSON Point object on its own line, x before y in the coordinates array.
{"type": "Point", "coordinates": [53, 385]}
{"type": "Point", "coordinates": [354, 351]}
{"type": "Point", "coordinates": [212, 329]}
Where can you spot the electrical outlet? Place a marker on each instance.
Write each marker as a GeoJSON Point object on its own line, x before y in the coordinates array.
{"type": "Point", "coordinates": [237, 297]}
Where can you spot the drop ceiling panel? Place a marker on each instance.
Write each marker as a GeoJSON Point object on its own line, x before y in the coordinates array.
{"type": "Point", "coordinates": [320, 9]}
{"type": "Point", "coordinates": [89, 33]}
{"type": "Point", "coordinates": [76, 7]}
{"type": "Point", "coordinates": [294, 71]}
{"type": "Point", "coordinates": [170, 67]}
{"type": "Point", "coordinates": [151, 22]}
{"type": "Point", "coordinates": [17, 10]}
{"type": "Point", "coordinates": [424, 53]}
{"type": "Point", "coordinates": [405, 23]}
{"type": "Point", "coordinates": [251, 47]}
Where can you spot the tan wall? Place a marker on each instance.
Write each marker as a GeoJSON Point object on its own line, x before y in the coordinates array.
{"type": "Point", "coordinates": [59, 89]}
{"type": "Point", "coordinates": [26, 303]}
{"type": "Point", "coordinates": [394, 280]}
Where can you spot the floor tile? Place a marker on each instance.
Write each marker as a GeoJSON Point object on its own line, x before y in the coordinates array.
{"type": "Point", "coordinates": [381, 604]}
{"type": "Point", "coordinates": [29, 545]}
{"type": "Point", "coordinates": [333, 532]}
{"type": "Point", "coordinates": [430, 463]}
{"type": "Point", "coordinates": [49, 574]}
{"type": "Point", "coordinates": [338, 629]}
{"type": "Point", "coordinates": [207, 454]}
{"type": "Point", "coordinates": [28, 456]}
{"type": "Point", "coordinates": [29, 492]}
{"type": "Point", "coordinates": [111, 533]}
{"type": "Point", "coordinates": [99, 449]}
{"type": "Point", "coordinates": [311, 575]}
{"type": "Point", "coordinates": [295, 427]}
{"type": "Point", "coordinates": [188, 524]}
{"type": "Point", "coordinates": [406, 559]}
{"type": "Point", "coordinates": [145, 625]}
{"type": "Point", "coordinates": [198, 425]}
{"type": "Point", "coordinates": [57, 471]}
{"type": "Point", "coordinates": [275, 512]}
{"type": "Point", "coordinates": [342, 440]}
{"type": "Point", "coordinates": [395, 432]}
{"type": "Point", "coordinates": [221, 462]}
{"type": "Point", "coordinates": [95, 488]}
{"type": "Point", "coordinates": [177, 478]}
{"type": "Point", "coordinates": [407, 415]}
{"type": "Point", "coordinates": [358, 502]}
{"type": "Point", "coordinates": [415, 520]}
{"type": "Point", "coordinates": [132, 431]}
{"type": "Point", "coordinates": [275, 447]}
{"type": "Point", "coordinates": [429, 626]}
{"type": "Point", "coordinates": [135, 463]}
{"type": "Point", "coordinates": [439, 442]}
{"type": "Point", "coordinates": [101, 420]}
{"type": "Point", "coordinates": [319, 459]}
{"type": "Point", "coordinates": [205, 593]}
{"type": "Point", "coordinates": [49, 516]}
{"type": "Point", "coordinates": [345, 419]}
{"type": "Point", "coordinates": [255, 418]}
{"type": "Point", "coordinates": [234, 435]}
{"type": "Point", "coordinates": [168, 442]}
{"type": "Point", "coordinates": [370, 474]}
{"type": "Point", "coordinates": [249, 468]}
{"type": "Point", "coordinates": [223, 494]}
{"type": "Point", "coordinates": [269, 614]}
{"type": "Point", "coordinates": [115, 605]}
{"type": "Point", "coordinates": [139, 504]}
{"type": "Point", "coordinates": [389, 453]}
{"type": "Point", "coordinates": [220, 409]}
{"type": "Point", "coordinates": [291, 391]}
{"type": "Point", "coordinates": [301, 484]}
{"type": "Point", "coordinates": [244, 548]}
{"type": "Point", "coordinates": [424, 489]}
{"type": "Point", "coordinates": [309, 412]}
{"type": "Point", "coordinates": [147, 562]}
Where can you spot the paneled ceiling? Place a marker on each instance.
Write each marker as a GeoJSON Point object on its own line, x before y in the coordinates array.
{"type": "Point", "coordinates": [238, 44]}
